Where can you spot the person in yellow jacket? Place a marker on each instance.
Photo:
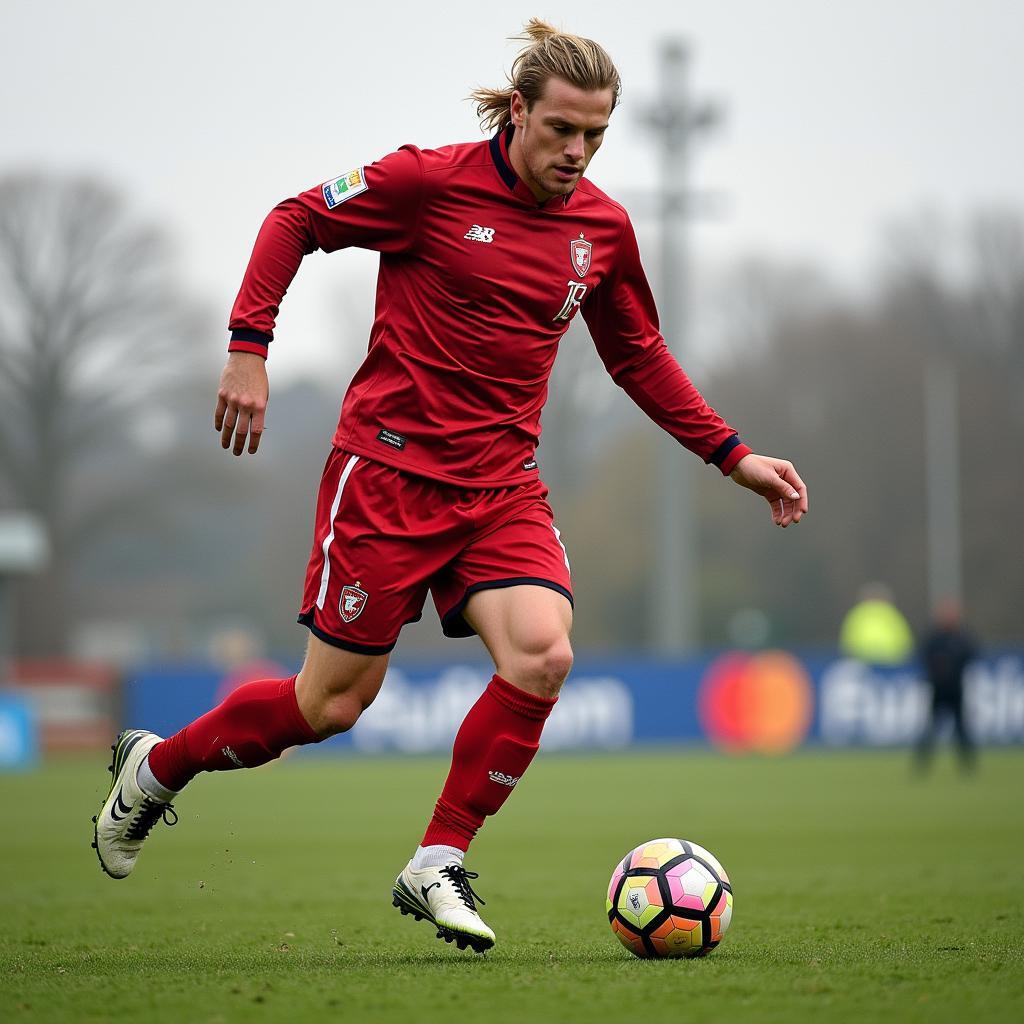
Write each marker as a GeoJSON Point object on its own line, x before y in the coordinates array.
{"type": "Point", "coordinates": [874, 629]}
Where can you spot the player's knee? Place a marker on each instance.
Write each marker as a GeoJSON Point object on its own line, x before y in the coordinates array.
{"type": "Point", "coordinates": [558, 664]}
{"type": "Point", "coordinates": [339, 713]}
{"type": "Point", "coordinates": [544, 669]}
{"type": "Point", "coordinates": [332, 703]}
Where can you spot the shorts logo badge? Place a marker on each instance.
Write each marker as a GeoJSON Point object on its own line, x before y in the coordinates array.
{"type": "Point", "coordinates": [581, 251]}
{"type": "Point", "coordinates": [353, 601]}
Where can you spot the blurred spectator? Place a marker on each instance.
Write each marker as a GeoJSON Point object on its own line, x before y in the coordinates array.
{"type": "Point", "coordinates": [874, 629]}
{"type": "Point", "coordinates": [946, 652]}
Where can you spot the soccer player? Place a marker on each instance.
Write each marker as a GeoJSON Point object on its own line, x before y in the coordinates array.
{"type": "Point", "coordinates": [488, 250]}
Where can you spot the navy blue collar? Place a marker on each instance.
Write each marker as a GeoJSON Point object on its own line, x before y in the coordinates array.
{"type": "Point", "coordinates": [500, 143]}
{"type": "Point", "coordinates": [498, 152]}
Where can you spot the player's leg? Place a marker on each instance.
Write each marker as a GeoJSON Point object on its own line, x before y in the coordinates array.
{"type": "Point", "coordinates": [335, 686]}
{"type": "Point", "coordinates": [255, 724]}
{"type": "Point", "coordinates": [526, 630]}
{"type": "Point", "coordinates": [354, 604]}
{"type": "Point", "coordinates": [511, 585]}
{"type": "Point", "coordinates": [260, 720]}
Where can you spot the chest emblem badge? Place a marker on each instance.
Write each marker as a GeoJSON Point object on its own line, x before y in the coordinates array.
{"type": "Point", "coordinates": [580, 250]}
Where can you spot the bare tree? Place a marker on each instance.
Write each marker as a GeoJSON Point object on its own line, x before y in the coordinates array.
{"type": "Point", "coordinates": [996, 242]}
{"type": "Point", "coordinates": [92, 346]}
{"type": "Point", "coordinates": [852, 373]}
{"type": "Point", "coordinates": [755, 301]}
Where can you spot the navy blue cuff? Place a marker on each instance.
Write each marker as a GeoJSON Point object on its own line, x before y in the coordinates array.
{"type": "Point", "coordinates": [718, 456]}
{"type": "Point", "coordinates": [253, 337]}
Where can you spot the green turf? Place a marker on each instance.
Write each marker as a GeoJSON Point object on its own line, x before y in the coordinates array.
{"type": "Point", "coordinates": [862, 894]}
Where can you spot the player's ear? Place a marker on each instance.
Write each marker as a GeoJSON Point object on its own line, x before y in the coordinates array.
{"type": "Point", "coordinates": [517, 108]}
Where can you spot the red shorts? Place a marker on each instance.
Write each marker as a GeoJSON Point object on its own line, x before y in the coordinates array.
{"type": "Point", "coordinates": [383, 538]}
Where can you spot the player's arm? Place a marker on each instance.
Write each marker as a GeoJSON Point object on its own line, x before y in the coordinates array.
{"type": "Point", "coordinates": [284, 239]}
{"type": "Point", "coordinates": [373, 208]}
{"type": "Point", "coordinates": [623, 322]}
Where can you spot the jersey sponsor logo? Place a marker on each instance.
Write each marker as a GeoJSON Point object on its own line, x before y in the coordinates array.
{"type": "Point", "coordinates": [389, 437]}
{"type": "Point", "coordinates": [572, 301]}
{"type": "Point", "coordinates": [581, 251]}
{"type": "Point", "coordinates": [337, 190]}
{"type": "Point", "coordinates": [479, 234]}
{"type": "Point", "coordinates": [504, 780]}
{"type": "Point", "coordinates": [352, 602]}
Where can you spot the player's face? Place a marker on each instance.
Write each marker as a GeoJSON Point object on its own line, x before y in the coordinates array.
{"type": "Point", "coordinates": [556, 139]}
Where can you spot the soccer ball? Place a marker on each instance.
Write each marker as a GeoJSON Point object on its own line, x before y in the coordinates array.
{"type": "Point", "coordinates": [669, 898]}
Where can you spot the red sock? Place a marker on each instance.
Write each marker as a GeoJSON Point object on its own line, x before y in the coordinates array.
{"type": "Point", "coordinates": [250, 727]}
{"type": "Point", "coordinates": [494, 747]}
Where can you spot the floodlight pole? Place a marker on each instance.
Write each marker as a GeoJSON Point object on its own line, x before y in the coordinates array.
{"type": "Point", "coordinates": [675, 119]}
{"type": "Point", "coordinates": [942, 463]}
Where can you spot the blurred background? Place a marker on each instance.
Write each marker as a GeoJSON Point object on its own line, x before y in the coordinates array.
{"type": "Point", "coordinates": [830, 206]}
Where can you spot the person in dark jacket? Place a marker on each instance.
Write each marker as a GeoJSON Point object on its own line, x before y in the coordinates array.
{"type": "Point", "coordinates": [945, 653]}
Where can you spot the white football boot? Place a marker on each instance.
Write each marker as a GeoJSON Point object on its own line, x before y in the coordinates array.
{"type": "Point", "coordinates": [444, 897]}
{"type": "Point", "coordinates": [127, 814]}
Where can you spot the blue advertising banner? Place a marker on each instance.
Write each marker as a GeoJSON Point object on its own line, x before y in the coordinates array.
{"type": "Point", "coordinates": [769, 702]}
{"type": "Point", "coordinates": [19, 739]}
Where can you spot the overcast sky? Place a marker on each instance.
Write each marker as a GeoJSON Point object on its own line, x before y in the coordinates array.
{"type": "Point", "coordinates": [840, 115]}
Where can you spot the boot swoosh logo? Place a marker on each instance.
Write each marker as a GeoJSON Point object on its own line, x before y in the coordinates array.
{"type": "Point", "coordinates": [426, 888]}
{"type": "Point", "coordinates": [120, 805]}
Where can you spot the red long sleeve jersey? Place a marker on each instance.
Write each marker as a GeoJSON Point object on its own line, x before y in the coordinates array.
{"type": "Point", "coordinates": [477, 284]}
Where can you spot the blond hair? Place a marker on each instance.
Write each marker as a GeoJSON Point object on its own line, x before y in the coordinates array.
{"type": "Point", "coordinates": [550, 54]}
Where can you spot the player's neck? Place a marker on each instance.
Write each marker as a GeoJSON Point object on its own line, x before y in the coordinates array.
{"type": "Point", "coordinates": [518, 162]}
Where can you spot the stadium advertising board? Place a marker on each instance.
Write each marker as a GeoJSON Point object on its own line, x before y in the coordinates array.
{"type": "Point", "coordinates": [765, 702]}
{"type": "Point", "coordinates": [19, 743]}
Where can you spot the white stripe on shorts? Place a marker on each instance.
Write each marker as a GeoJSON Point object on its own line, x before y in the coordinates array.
{"type": "Point", "coordinates": [325, 576]}
{"type": "Point", "coordinates": [565, 554]}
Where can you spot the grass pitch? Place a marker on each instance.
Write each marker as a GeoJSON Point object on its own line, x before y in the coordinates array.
{"type": "Point", "coordinates": [862, 894]}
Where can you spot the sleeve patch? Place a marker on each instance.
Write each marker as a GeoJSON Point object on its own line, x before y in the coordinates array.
{"type": "Point", "coordinates": [347, 185]}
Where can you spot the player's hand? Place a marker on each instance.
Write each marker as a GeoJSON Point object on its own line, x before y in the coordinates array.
{"type": "Point", "coordinates": [242, 401]}
{"type": "Point", "coordinates": [777, 482]}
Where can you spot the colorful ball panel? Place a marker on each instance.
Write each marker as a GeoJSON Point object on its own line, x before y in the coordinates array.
{"type": "Point", "coordinates": [616, 875]}
{"type": "Point", "coordinates": [678, 937]}
{"type": "Point", "coordinates": [655, 853]}
{"type": "Point", "coordinates": [721, 917]}
{"type": "Point", "coordinates": [640, 900]}
{"type": "Point", "coordinates": [697, 881]}
{"type": "Point", "coordinates": [691, 885]}
{"type": "Point", "coordinates": [711, 859]}
{"type": "Point", "coordinates": [629, 938]}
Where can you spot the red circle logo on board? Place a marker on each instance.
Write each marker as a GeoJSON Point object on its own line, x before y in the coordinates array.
{"type": "Point", "coordinates": [756, 702]}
